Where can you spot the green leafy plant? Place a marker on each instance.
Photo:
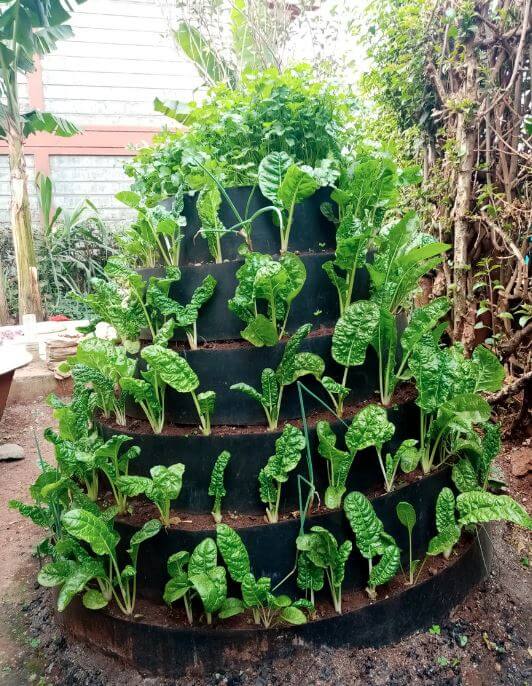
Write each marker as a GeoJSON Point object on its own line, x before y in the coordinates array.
{"type": "Point", "coordinates": [286, 185]}
{"type": "Point", "coordinates": [319, 555]}
{"type": "Point", "coordinates": [162, 487]}
{"type": "Point", "coordinates": [199, 574]}
{"type": "Point", "coordinates": [100, 364]}
{"type": "Point", "coordinates": [277, 283]}
{"type": "Point", "coordinates": [98, 576]}
{"type": "Point", "coordinates": [292, 366]}
{"type": "Point", "coordinates": [369, 427]}
{"type": "Point", "coordinates": [406, 514]}
{"type": "Point", "coordinates": [167, 368]}
{"type": "Point", "coordinates": [268, 609]}
{"type": "Point", "coordinates": [372, 541]}
{"type": "Point", "coordinates": [446, 525]}
{"type": "Point", "coordinates": [476, 455]}
{"type": "Point", "coordinates": [216, 485]}
{"type": "Point", "coordinates": [287, 455]}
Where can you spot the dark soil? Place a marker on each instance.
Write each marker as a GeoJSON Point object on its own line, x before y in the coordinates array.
{"type": "Point", "coordinates": [485, 641]}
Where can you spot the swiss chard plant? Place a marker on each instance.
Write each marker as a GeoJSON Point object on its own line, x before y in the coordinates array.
{"type": "Point", "coordinates": [406, 514]}
{"type": "Point", "coordinates": [448, 386]}
{"type": "Point", "coordinates": [157, 233]}
{"type": "Point", "coordinates": [287, 455]}
{"type": "Point", "coordinates": [264, 294]}
{"type": "Point", "coordinates": [286, 184]}
{"type": "Point", "coordinates": [267, 608]}
{"type": "Point", "coordinates": [165, 367]}
{"type": "Point", "coordinates": [372, 541]}
{"type": "Point", "coordinates": [292, 366]}
{"type": "Point", "coordinates": [476, 454]}
{"type": "Point", "coordinates": [162, 487]}
{"type": "Point", "coordinates": [369, 427]}
{"type": "Point", "coordinates": [199, 575]}
{"type": "Point", "coordinates": [99, 365]}
{"type": "Point", "coordinates": [319, 556]}
{"type": "Point", "coordinates": [217, 486]}
{"type": "Point", "coordinates": [96, 574]}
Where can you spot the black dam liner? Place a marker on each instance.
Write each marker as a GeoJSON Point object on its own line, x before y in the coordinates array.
{"type": "Point", "coordinates": [311, 230]}
{"type": "Point", "coordinates": [167, 650]}
{"type": "Point", "coordinates": [250, 451]}
{"type": "Point", "coordinates": [272, 547]}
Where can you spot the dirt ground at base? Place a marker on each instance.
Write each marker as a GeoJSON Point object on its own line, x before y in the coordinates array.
{"type": "Point", "coordinates": [486, 641]}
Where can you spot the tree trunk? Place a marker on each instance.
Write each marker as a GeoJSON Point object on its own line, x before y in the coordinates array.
{"type": "Point", "coordinates": [29, 296]}
{"type": "Point", "coordinates": [4, 309]}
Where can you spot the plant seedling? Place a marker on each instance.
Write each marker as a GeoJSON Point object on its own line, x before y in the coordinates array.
{"type": "Point", "coordinates": [216, 486]}
{"type": "Point", "coordinates": [406, 514]}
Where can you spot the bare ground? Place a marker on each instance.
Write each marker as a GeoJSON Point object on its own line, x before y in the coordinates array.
{"type": "Point", "coordinates": [485, 642]}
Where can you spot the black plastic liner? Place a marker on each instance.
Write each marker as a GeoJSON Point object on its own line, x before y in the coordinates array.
{"type": "Point", "coordinates": [218, 368]}
{"type": "Point", "coordinates": [272, 548]}
{"type": "Point", "coordinates": [311, 231]}
{"type": "Point", "coordinates": [167, 650]}
{"type": "Point", "coordinates": [317, 303]}
{"type": "Point", "coordinates": [249, 453]}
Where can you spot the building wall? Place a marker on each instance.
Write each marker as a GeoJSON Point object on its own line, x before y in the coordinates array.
{"type": "Point", "coordinates": [105, 79]}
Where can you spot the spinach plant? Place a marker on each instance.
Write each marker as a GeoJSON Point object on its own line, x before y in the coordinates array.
{"type": "Point", "coordinates": [98, 576]}
{"type": "Point", "coordinates": [167, 368]}
{"type": "Point", "coordinates": [162, 487]}
{"type": "Point", "coordinates": [287, 455]}
{"type": "Point", "coordinates": [158, 231]}
{"type": "Point", "coordinates": [268, 609]}
{"type": "Point", "coordinates": [372, 541]}
{"type": "Point", "coordinates": [285, 184]}
{"type": "Point", "coordinates": [406, 514]}
{"type": "Point", "coordinates": [293, 365]}
{"type": "Point", "coordinates": [276, 283]}
{"type": "Point", "coordinates": [216, 485]}
{"type": "Point", "coordinates": [199, 575]}
{"type": "Point", "coordinates": [448, 386]}
{"type": "Point", "coordinates": [319, 556]}
{"type": "Point", "coordinates": [100, 364]}
{"type": "Point", "coordinates": [369, 427]}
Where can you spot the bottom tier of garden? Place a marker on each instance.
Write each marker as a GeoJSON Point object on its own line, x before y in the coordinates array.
{"type": "Point", "coordinates": [157, 640]}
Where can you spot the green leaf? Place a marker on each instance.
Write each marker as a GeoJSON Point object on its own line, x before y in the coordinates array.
{"type": "Point", "coordinates": [445, 510]}
{"type": "Point", "coordinates": [129, 198]}
{"type": "Point", "coordinates": [176, 588]}
{"type": "Point", "coordinates": [366, 526]}
{"type": "Point", "coordinates": [248, 390]}
{"type": "Point", "coordinates": [211, 588]}
{"type": "Point", "coordinates": [475, 507]}
{"type": "Point", "coordinates": [198, 49]}
{"type": "Point", "coordinates": [369, 427]}
{"type": "Point", "coordinates": [260, 331]}
{"type": "Point", "coordinates": [287, 455]}
{"type": "Point", "coordinates": [292, 615]}
{"type": "Point", "coordinates": [491, 374]}
{"type": "Point", "coordinates": [55, 573]}
{"type": "Point", "coordinates": [297, 275]}
{"type": "Point", "coordinates": [173, 369]}
{"type": "Point", "coordinates": [409, 455]}
{"type": "Point", "coordinates": [233, 552]}
{"type": "Point", "coordinates": [148, 530]}
{"type": "Point", "coordinates": [204, 292]}
{"type": "Point", "coordinates": [287, 367]}
{"type": "Point", "coordinates": [87, 527]}
{"type": "Point", "coordinates": [334, 387]}
{"type": "Point", "coordinates": [216, 485]}
{"type": "Point", "coordinates": [230, 608]}
{"type": "Point", "coordinates": [270, 174]}
{"type": "Point", "coordinates": [354, 332]}
{"type": "Point", "coordinates": [464, 476]}
{"type": "Point", "coordinates": [94, 600]}
{"type": "Point", "coordinates": [204, 557]}
{"type": "Point", "coordinates": [386, 568]}
{"type": "Point", "coordinates": [406, 514]}
{"type": "Point", "coordinates": [296, 186]}
{"type": "Point", "coordinates": [444, 542]}
{"type": "Point", "coordinates": [423, 320]}
{"type": "Point", "coordinates": [309, 575]}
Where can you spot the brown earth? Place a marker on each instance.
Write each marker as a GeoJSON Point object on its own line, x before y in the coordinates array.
{"type": "Point", "coordinates": [486, 641]}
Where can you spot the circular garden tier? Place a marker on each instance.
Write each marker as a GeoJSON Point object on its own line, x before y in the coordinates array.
{"type": "Point", "coordinates": [159, 640]}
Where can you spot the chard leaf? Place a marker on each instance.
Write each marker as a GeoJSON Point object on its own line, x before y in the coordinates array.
{"type": "Point", "coordinates": [444, 541]}
{"type": "Point", "coordinates": [354, 332]}
{"type": "Point", "coordinates": [173, 369]}
{"type": "Point", "coordinates": [296, 273]}
{"type": "Point", "coordinates": [339, 282]}
{"type": "Point", "coordinates": [475, 507]}
{"type": "Point", "coordinates": [260, 331]}
{"type": "Point", "coordinates": [94, 600]}
{"type": "Point", "coordinates": [369, 427]}
{"type": "Point", "coordinates": [77, 581]}
{"type": "Point", "coordinates": [177, 562]}
{"type": "Point", "coordinates": [409, 455]}
{"type": "Point", "coordinates": [334, 387]}
{"type": "Point", "coordinates": [287, 367]}
{"type": "Point", "coordinates": [490, 372]}
{"type": "Point", "coordinates": [445, 510]}
{"type": "Point", "coordinates": [248, 390]}
{"type": "Point", "coordinates": [386, 568]}
{"type": "Point", "coordinates": [307, 363]}
{"type": "Point", "coordinates": [406, 514]}
{"type": "Point", "coordinates": [87, 527]}
{"type": "Point", "coordinates": [204, 558]}
{"type": "Point", "coordinates": [423, 320]}
{"type": "Point", "coordinates": [204, 292]}
{"type": "Point", "coordinates": [296, 186]}
{"type": "Point", "coordinates": [206, 402]}
{"type": "Point", "coordinates": [255, 591]}
{"type": "Point", "coordinates": [166, 483]}
{"type": "Point", "coordinates": [292, 615]}
{"type": "Point", "coordinates": [287, 455]}
{"type": "Point", "coordinates": [309, 576]}
{"type": "Point", "coordinates": [339, 562]}
{"type": "Point", "coordinates": [149, 530]}
{"type": "Point", "coordinates": [133, 485]}
{"type": "Point", "coordinates": [55, 573]}
{"type": "Point", "coordinates": [270, 174]}
{"type": "Point", "coordinates": [230, 608]}
{"type": "Point", "coordinates": [367, 527]}
{"type": "Point", "coordinates": [211, 588]}
{"type": "Point", "coordinates": [270, 389]}
{"type": "Point", "coordinates": [233, 552]}
{"type": "Point", "coordinates": [460, 412]}
{"type": "Point", "coordinates": [464, 476]}
{"type": "Point", "coordinates": [491, 447]}
{"type": "Point", "coordinates": [216, 485]}
{"type": "Point", "coordinates": [432, 369]}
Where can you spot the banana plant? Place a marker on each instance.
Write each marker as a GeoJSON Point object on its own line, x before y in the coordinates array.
{"type": "Point", "coordinates": [162, 487]}
{"type": "Point", "coordinates": [292, 366]}
{"type": "Point", "coordinates": [267, 608]}
{"type": "Point", "coordinates": [372, 541]}
{"type": "Point", "coordinates": [216, 485]}
{"type": "Point", "coordinates": [199, 575]}
{"type": "Point", "coordinates": [448, 386]}
{"type": "Point", "coordinates": [287, 455]}
{"type": "Point", "coordinates": [261, 279]}
{"type": "Point", "coordinates": [369, 427]}
{"type": "Point", "coordinates": [167, 368]}
{"type": "Point", "coordinates": [319, 556]}
{"type": "Point", "coordinates": [286, 185]}
{"type": "Point", "coordinates": [97, 575]}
